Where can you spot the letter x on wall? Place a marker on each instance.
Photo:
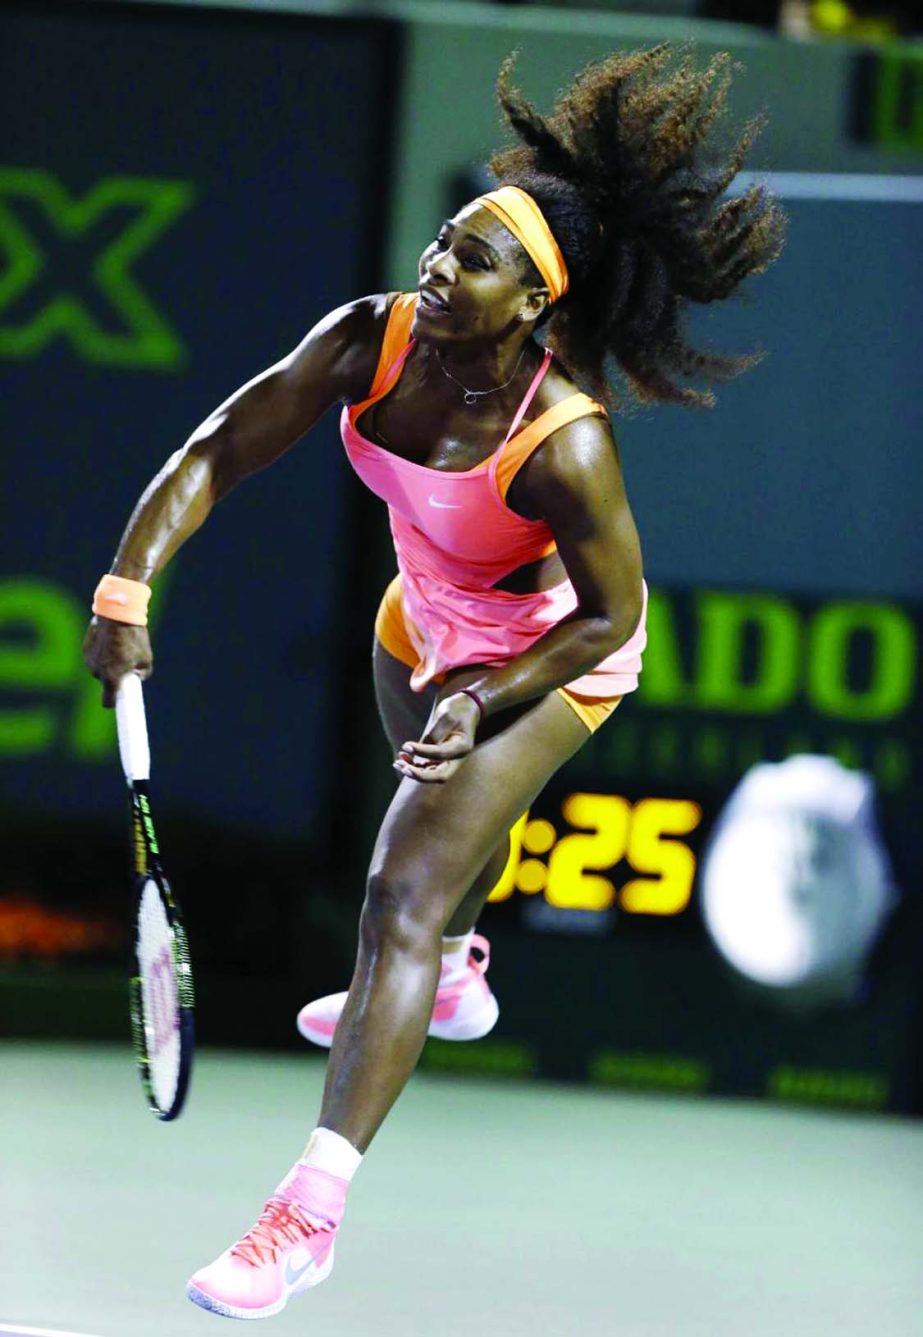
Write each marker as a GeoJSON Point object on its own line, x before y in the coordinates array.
{"type": "Point", "coordinates": [66, 267]}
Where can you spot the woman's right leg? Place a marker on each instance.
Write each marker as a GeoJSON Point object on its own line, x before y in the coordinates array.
{"type": "Point", "coordinates": [403, 715]}
{"type": "Point", "coordinates": [433, 843]}
{"type": "Point", "coordinates": [472, 1012]}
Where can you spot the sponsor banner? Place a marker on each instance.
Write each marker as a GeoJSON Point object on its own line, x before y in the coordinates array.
{"type": "Point", "coordinates": [209, 204]}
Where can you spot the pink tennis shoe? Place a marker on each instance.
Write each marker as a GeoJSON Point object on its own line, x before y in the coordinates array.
{"type": "Point", "coordinates": [465, 1008]}
{"type": "Point", "coordinates": [290, 1249]}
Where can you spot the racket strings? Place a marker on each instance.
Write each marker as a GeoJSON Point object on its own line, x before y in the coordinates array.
{"type": "Point", "coordinates": [280, 1222]}
{"type": "Point", "coordinates": [156, 933]}
{"type": "Point", "coordinates": [183, 966]}
{"type": "Point", "coordinates": [160, 995]}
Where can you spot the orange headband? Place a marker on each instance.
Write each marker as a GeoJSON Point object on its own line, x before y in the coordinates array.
{"type": "Point", "coordinates": [519, 213]}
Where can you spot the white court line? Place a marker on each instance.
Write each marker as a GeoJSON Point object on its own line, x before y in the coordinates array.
{"type": "Point", "coordinates": [834, 186]}
{"type": "Point", "coordinates": [37, 1332]}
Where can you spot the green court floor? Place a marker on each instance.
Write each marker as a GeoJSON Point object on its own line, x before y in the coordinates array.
{"type": "Point", "coordinates": [483, 1208]}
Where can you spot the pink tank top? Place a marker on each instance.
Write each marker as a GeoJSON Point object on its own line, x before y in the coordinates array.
{"type": "Point", "coordinates": [455, 537]}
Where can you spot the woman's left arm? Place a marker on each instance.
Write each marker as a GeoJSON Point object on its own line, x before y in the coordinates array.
{"type": "Point", "coordinates": [575, 482]}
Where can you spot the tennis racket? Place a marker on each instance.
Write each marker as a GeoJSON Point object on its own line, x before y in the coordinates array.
{"type": "Point", "coordinates": [161, 989]}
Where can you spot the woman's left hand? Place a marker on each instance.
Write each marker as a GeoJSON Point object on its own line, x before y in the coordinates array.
{"type": "Point", "coordinates": [448, 739]}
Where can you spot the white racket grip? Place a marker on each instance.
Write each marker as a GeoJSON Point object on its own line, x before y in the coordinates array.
{"type": "Point", "coordinates": [132, 726]}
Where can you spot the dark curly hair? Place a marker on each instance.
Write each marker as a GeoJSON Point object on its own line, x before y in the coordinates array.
{"type": "Point", "coordinates": [619, 170]}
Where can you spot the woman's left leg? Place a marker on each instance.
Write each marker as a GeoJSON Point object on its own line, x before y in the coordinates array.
{"type": "Point", "coordinates": [466, 913]}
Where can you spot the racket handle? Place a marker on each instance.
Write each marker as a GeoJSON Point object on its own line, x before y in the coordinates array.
{"type": "Point", "coordinates": [132, 726]}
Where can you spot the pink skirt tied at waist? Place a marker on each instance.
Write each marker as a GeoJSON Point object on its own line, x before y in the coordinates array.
{"type": "Point", "coordinates": [451, 625]}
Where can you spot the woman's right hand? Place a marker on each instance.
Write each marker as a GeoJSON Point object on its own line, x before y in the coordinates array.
{"type": "Point", "coordinates": [112, 649]}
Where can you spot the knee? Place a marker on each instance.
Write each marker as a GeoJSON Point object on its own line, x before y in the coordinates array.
{"type": "Point", "coordinates": [395, 915]}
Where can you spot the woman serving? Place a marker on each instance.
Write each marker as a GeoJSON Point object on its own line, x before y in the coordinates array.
{"type": "Point", "coordinates": [516, 622]}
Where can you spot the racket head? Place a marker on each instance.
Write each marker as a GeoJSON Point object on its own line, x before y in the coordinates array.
{"type": "Point", "coordinates": [161, 989]}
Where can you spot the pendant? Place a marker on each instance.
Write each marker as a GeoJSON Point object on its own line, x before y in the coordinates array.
{"type": "Point", "coordinates": [470, 397]}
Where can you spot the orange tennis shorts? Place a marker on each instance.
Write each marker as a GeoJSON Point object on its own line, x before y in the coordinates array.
{"type": "Point", "coordinates": [391, 631]}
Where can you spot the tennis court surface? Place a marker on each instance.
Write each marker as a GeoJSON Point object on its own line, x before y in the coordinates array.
{"type": "Point", "coordinates": [484, 1207]}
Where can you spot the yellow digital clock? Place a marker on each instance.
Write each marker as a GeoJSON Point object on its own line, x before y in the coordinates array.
{"type": "Point", "coordinates": [573, 868]}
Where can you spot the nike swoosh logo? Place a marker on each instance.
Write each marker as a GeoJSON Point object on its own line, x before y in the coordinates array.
{"type": "Point", "coordinates": [445, 505]}
{"type": "Point", "coordinates": [292, 1275]}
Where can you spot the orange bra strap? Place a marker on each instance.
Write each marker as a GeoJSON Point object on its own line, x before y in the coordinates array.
{"type": "Point", "coordinates": [397, 336]}
{"type": "Point", "coordinates": [518, 449]}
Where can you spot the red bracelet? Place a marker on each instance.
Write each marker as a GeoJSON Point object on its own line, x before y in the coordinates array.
{"type": "Point", "coordinates": [469, 691]}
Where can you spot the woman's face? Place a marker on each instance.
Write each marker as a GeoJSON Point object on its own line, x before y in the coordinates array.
{"type": "Point", "coordinates": [471, 285]}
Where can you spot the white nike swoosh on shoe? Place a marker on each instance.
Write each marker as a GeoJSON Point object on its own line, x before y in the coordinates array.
{"type": "Point", "coordinates": [445, 505]}
{"type": "Point", "coordinates": [292, 1273]}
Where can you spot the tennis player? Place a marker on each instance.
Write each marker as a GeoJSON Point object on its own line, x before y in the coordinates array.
{"type": "Point", "coordinates": [516, 622]}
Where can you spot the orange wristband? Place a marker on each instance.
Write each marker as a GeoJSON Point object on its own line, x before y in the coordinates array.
{"type": "Point", "coordinates": [122, 600]}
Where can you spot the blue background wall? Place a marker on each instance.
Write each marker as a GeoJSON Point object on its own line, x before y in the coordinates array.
{"type": "Point", "coordinates": [264, 144]}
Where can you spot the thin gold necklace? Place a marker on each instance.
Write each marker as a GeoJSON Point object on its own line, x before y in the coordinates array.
{"type": "Point", "coordinates": [472, 396]}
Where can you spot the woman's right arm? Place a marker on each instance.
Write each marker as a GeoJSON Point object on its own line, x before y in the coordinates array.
{"type": "Point", "coordinates": [255, 426]}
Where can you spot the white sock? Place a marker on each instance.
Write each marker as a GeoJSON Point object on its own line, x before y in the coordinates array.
{"type": "Point", "coordinates": [332, 1153]}
{"type": "Point", "coordinates": [455, 953]}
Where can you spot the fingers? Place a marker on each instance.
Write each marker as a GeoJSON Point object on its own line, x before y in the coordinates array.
{"type": "Point", "coordinates": [456, 745]}
{"type": "Point", "coordinates": [429, 772]}
{"type": "Point", "coordinates": [111, 685]}
{"type": "Point", "coordinates": [112, 649]}
{"type": "Point", "coordinates": [436, 759]}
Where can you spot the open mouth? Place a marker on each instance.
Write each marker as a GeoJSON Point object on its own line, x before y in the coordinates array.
{"type": "Point", "coordinates": [431, 304]}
